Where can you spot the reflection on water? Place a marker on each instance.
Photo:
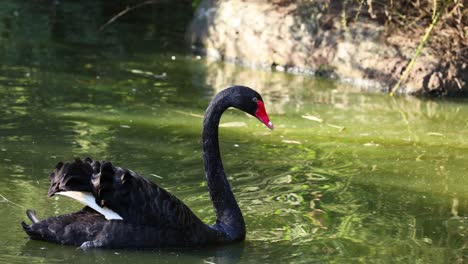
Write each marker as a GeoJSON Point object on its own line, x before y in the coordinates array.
{"type": "Point", "coordinates": [344, 175]}
{"type": "Point", "coordinates": [40, 250]}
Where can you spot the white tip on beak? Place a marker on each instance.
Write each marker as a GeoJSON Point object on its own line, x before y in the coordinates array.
{"type": "Point", "coordinates": [270, 125]}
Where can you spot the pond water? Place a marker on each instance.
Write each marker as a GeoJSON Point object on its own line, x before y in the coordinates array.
{"type": "Point", "coordinates": [345, 176]}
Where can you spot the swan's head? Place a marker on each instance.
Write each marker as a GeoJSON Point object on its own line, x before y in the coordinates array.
{"type": "Point", "coordinates": [249, 101]}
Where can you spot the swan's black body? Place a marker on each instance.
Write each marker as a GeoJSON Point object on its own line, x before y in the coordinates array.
{"type": "Point", "coordinates": [152, 217]}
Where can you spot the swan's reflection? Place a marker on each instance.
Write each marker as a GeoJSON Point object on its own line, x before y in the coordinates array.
{"type": "Point", "coordinates": [39, 251]}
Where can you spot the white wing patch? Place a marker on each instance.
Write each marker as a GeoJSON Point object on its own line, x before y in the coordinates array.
{"type": "Point", "coordinates": [88, 199]}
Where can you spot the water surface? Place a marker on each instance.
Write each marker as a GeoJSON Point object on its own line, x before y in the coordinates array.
{"type": "Point", "coordinates": [344, 176]}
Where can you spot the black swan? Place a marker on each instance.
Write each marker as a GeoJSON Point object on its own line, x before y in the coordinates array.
{"type": "Point", "coordinates": [125, 210]}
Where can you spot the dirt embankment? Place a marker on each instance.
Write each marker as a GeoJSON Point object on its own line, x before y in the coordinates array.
{"type": "Point", "coordinates": [325, 38]}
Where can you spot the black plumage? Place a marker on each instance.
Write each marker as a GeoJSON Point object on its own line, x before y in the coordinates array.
{"type": "Point", "coordinates": [152, 217]}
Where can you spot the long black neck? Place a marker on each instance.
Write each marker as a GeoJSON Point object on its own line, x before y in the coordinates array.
{"type": "Point", "coordinates": [229, 218]}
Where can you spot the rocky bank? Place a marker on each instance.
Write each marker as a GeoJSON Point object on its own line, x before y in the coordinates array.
{"type": "Point", "coordinates": [309, 37]}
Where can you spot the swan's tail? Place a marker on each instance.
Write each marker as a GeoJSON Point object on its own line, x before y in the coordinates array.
{"type": "Point", "coordinates": [28, 228]}
{"type": "Point", "coordinates": [32, 216]}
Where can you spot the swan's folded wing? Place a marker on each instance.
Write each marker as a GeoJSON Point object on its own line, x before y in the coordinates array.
{"type": "Point", "coordinates": [139, 200]}
{"type": "Point", "coordinates": [130, 196]}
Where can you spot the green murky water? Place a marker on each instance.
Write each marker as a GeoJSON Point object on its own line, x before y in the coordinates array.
{"type": "Point", "coordinates": [345, 176]}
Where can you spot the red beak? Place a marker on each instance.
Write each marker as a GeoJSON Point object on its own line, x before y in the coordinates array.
{"type": "Point", "coordinates": [262, 115]}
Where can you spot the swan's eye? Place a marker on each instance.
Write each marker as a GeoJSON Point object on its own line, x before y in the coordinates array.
{"type": "Point", "coordinates": [254, 99]}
